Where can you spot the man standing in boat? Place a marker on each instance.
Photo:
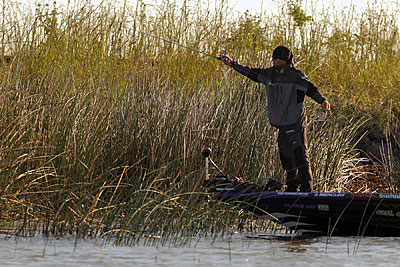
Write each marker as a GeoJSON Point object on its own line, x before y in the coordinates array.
{"type": "Point", "coordinates": [286, 89]}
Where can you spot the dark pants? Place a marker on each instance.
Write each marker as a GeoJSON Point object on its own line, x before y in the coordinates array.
{"type": "Point", "coordinates": [292, 144]}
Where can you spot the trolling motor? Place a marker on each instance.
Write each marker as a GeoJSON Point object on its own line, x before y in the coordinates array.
{"type": "Point", "coordinates": [221, 183]}
{"type": "Point", "coordinates": [206, 154]}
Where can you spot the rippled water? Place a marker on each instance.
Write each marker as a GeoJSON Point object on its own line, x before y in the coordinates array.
{"type": "Point", "coordinates": [237, 251]}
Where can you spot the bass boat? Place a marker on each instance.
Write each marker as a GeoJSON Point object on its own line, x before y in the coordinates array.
{"type": "Point", "coordinates": [315, 213]}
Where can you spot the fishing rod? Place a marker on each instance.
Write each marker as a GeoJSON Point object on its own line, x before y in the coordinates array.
{"type": "Point", "coordinates": [221, 57]}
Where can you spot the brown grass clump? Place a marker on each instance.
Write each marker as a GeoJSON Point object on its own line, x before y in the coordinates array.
{"type": "Point", "coordinates": [374, 179]}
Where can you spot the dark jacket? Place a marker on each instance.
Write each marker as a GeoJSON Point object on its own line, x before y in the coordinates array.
{"type": "Point", "coordinates": [286, 89]}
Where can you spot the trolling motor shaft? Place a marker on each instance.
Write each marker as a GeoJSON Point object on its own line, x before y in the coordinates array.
{"type": "Point", "coordinates": [206, 154]}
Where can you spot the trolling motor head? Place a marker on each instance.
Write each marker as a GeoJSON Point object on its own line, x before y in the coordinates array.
{"type": "Point", "coordinates": [206, 151]}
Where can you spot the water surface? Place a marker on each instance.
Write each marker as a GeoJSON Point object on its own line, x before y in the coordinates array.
{"type": "Point", "coordinates": [239, 250]}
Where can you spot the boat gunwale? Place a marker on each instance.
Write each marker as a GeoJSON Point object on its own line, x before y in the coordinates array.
{"type": "Point", "coordinates": [312, 195]}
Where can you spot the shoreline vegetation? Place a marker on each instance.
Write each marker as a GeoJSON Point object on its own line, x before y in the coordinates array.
{"type": "Point", "coordinates": [102, 125]}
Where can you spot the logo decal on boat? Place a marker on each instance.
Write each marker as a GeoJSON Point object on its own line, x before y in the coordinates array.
{"type": "Point", "coordinates": [389, 195]}
{"type": "Point", "coordinates": [330, 194]}
{"type": "Point", "coordinates": [363, 195]}
{"type": "Point", "coordinates": [224, 189]}
{"type": "Point", "coordinates": [385, 213]}
{"type": "Point", "coordinates": [323, 207]}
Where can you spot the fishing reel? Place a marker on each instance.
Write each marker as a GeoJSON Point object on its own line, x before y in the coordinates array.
{"type": "Point", "coordinates": [223, 58]}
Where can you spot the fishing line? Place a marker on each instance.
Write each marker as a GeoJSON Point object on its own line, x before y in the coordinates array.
{"type": "Point", "coordinates": [221, 57]}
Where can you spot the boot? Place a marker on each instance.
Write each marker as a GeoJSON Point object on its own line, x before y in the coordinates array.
{"type": "Point", "coordinates": [304, 174]}
{"type": "Point", "coordinates": [292, 184]}
{"type": "Point", "coordinates": [306, 185]}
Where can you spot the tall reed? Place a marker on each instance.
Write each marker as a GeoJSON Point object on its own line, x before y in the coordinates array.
{"type": "Point", "coordinates": [102, 124]}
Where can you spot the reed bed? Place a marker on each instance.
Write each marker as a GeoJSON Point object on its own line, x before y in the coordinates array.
{"type": "Point", "coordinates": [103, 125]}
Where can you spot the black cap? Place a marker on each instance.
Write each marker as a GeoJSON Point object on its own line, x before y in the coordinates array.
{"type": "Point", "coordinates": [282, 52]}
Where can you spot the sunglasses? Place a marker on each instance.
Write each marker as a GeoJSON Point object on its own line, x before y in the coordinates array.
{"type": "Point", "coordinates": [279, 58]}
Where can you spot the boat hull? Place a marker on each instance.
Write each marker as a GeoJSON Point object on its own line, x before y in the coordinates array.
{"type": "Point", "coordinates": [333, 214]}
